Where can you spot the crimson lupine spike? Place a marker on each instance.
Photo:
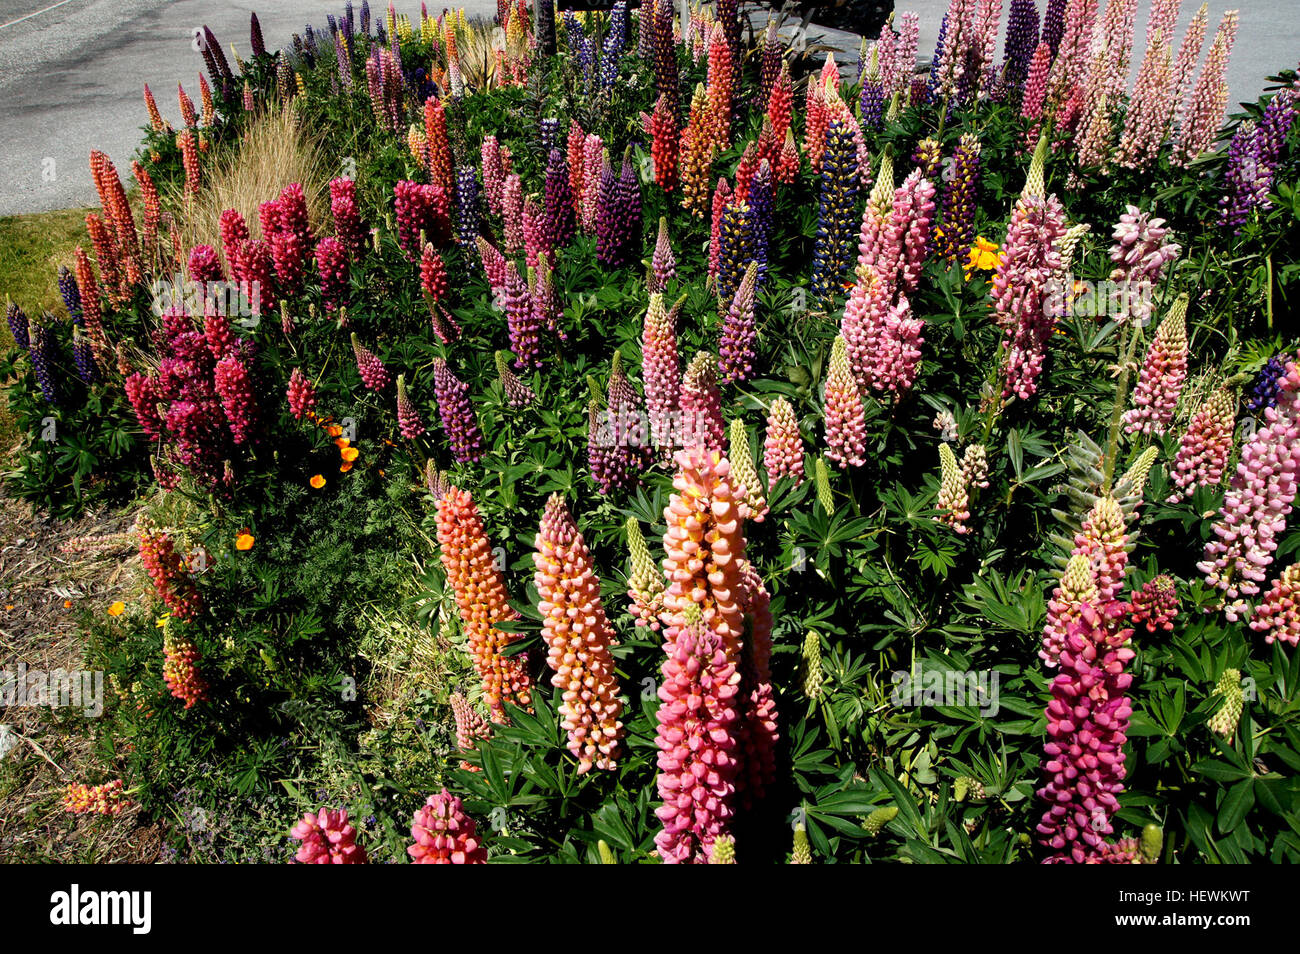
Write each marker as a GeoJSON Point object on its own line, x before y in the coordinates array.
{"type": "Point", "coordinates": [456, 413]}
{"type": "Point", "coordinates": [470, 726]}
{"type": "Point", "coordinates": [218, 334]}
{"type": "Point", "coordinates": [1163, 374]}
{"type": "Point", "coordinates": [701, 422]}
{"type": "Point", "coordinates": [142, 392]}
{"type": "Point", "coordinates": [204, 266]}
{"type": "Point", "coordinates": [782, 446]}
{"type": "Point", "coordinates": [293, 214]}
{"type": "Point", "coordinates": [433, 273]}
{"type": "Point", "coordinates": [301, 395]}
{"type": "Point", "coordinates": [493, 262]}
{"type": "Point", "coordinates": [1087, 726]}
{"type": "Point", "coordinates": [373, 373]}
{"type": "Point", "coordinates": [332, 264]}
{"type": "Point", "coordinates": [665, 144]}
{"type": "Point", "coordinates": [327, 839]}
{"type": "Point", "coordinates": [408, 417]}
{"type": "Point", "coordinates": [289, 255]}
{"type": "Point", "coordinates": [268, 218]}
{"type": "Point", "coordinates": [739, 333]}
{"type": "Point", "coordinates": [352, 231]}
{"type": "Point", "coordinates": [438, 145]}
{"type": "Point", "coordinates": [844, 416]}
{"type": "Point", "coordinates": [1258, 501]}
{"type": "Point", "coordinates": [421, 208]}
{"type": "Point", "coordinates": [1205, 446]}
{"type": "Point", "coordinates": [579, 638]}
{"type": "Point", "coordinates": [444, 834]}
{"type": "Point", "coordinates": [234, 233]}
{"type": "Point", "coordinates": [235, 388]}
{"type": "Point", "coordinates": [1155, 606]}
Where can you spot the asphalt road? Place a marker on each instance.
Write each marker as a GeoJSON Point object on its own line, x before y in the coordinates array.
{"type": "Point", "coordinates": [72, 72]}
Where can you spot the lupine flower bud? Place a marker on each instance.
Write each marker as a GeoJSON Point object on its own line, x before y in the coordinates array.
{"type": "Point", "coordinates": [301, 395]}
{"type": "Point", "coordinates": [802, 853]}
{"type": "Point", "coordinates": [812, 665]}
{"type": "Point", "coordinates": [470, 726]}
{"type": "Point", "coordinates": [845, 418]}
{"type": "Point", "coordinates": [822, 483]}
{"type": "Point", "coordinates": [373, 373]}
{"type": "Point", "coordinates": [408, 418]}
{"type": "Point", "coordinates": [1087, 725]}
{"type": "Point", "coordinates": [1163, 374]}
{"type": "Point", "coordinates": [646, 582]}
{"type": "Point", "coordinates": [517, 393]}
{"type": "Point", "coordinates": [1077, 587]}
{"type": "Point", "coordinates": [327, 839]}
{"type": "Point", "coordinates": [743, 474]}
{"type": "Point", "coordinates": [1225, 718]}
{"type": "Point", "coordinates": [953, 502]}
{"type": "Point", "coordinates": [1205, 446]}
{"type": "Point", "coordinates": [456, 413]}
{"type": "Point", "coordinates": [1155, 606]}
{"type": "Point", "coordinates": [879, 818]}
{"type": "Point", "coordinates": [444, 834]}
{"type": "Point", "coordinates": [579, 638]}
{"type": "Point", "coordinates": [663, 266]}
{"type": "Point", "coordinates": [1278, 614]}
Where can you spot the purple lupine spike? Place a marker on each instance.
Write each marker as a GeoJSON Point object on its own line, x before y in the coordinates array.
{"type": "Point", "coordinates": [735, 247]}
{"type": "Point", "coordinates": [628, 420]}
{"type": "Point", "coordinates": [1054, 25]}
{"type": "Point", "coordinates": [255, 39]}
{"type": "Point", "coordinates": [19, 327]}
{"type": "Point", "coordinates": [456, 414]}
{"type": "Point", "coordinates": [469, 217]}
{"type": "Point", "coordinates": [959, 200]}
{"type": "Point", "coordinates": [602, 455]}
{"type": "Point", "coordinates": [663, 266]}
{"type": "Point", "coordinates": [523, 320]}
{"type": "Point", "coordinates": [42, 353]}
{"type": "Point", "coordinates": [365, 17]}
{"type": "Point", "coordinates": [1266, 385]}
{"type": "Point", "coordinates": [1022, 40]}
{"type": "Point", "coordinates": [736, 348]}
{"type": "Point", "coordinates": [628, 193]}
{"type": "Point", "coordinates": [71, 295]}
{"type": "Point", "coordinates": [83, 356]}
{"type": "Point", "coordinates": [559, 221]}
{"type": "Point", "coordinates": [762, 203]}
{"type": "Point", "coordinates": [611, 222]}
{"type": "Point", "coordinates": [548, 133]}
{"type": "Point", "coordinates": [408, 417]}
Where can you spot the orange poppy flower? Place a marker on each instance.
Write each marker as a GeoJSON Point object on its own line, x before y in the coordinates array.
{"type": "Point", "coordinates": [244, 541]}
{"type": "Point", "coordinates": [117, 609]}
{"type": "Point", "coordinates": [342, 442]}
{"type": "Point", "coordinates": [67, 604]}
{"type": "Point", "coordinates": [350, 454]}
{"type": "Point", "coordinates": [344, 468]}
{"type": "Point", "coordinates": [317, 482]}
{"type": "Point", "coordinates": [334, 430]}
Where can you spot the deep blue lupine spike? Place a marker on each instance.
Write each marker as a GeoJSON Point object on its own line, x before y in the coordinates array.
{"type": "Point", "coordinates": [833, 247]}
{"type": "Point", "coordinates": [1264, 389]}
{"type": "Point", "coordinates": [761, 202]}
{"type": "Point", "coordinates": [42, 354]}
{"type": "Point", "coordinates": [469, 221]}
{"type": "Point", "coordinates": [19, 327]}
{"type": "Point", "coordinates": [71, 294]}
{"type": "Point", "coordinates": [365, 17]}
{"type": "Point", "coordinates": [1022, 40]}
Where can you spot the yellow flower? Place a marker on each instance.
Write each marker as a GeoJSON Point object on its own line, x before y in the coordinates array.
{"type": "Point", "coordinates": [244, 541]}
{"type": "Point", "coordinates": [317, 482]}
{"type": "Point", "coordinates": [117, 609]}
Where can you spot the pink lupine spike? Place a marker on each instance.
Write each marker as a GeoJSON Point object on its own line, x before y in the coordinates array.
{"type": "Point", "coordinates": [782, 446]}
{"type": "Point", "coordinates": [845, 419]}
{"type": "Point", "coordinates": [373, 373]}
{"type": "Point", "coordinates": [408, 417]}
{"type": "Point", "coordinates": [1278, 615]}
{"type": "Point", "coordinates": [1163, 374]}
{"type": "Point", "coordinates": [700, 403]}
{"type": "Point", "coordinates": [327, 839]}
{"type": "Point", "coordinates": [444, 834]}
{"type": "Point", "coordinates": [1205, 446]}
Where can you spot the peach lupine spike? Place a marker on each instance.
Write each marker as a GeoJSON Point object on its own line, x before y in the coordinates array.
{"type": "Point", "coordinates": [579, 638]}
{"type": "Point", "coordinates": [782, 446]}
{"type": "Point", "coordinates": [1076, 588]}
{"type": "Point", "coordinates": [444, 834]}
{"type": "Point", "coordinates": [480, 590]}
{"type": "Point", "coordinates": [470, 726]}
{"type": "Point", "coordinates": [845, 418]}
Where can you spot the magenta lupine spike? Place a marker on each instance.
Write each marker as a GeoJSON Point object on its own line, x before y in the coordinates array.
{"type": "Point", "coordinates": [523, 320]}
{"type": "Point", "coordinates": [603, 458]}
{"type": "Point", "coordinates": [373, 373]}
{"type": "Point", "coordinates": [1076, 588]}
{"type": "Point", "coordinates": [327, 839]}
{"type": "Point", "coordinates": [494, 264]}
{"type": "Point", "coordinates": [332, 264]}
{"type": "Point", "coordinates": [255, 271]}
{"type": "Point", "coordinates": [352, 231]}
{"type": "Point", "coordinates": [1209, 97]}
{"type": "Point", "coordinates": [759, 734]}
{"type": "Point", "coordinates": [579, 638]}
{"type": "Point", "coordinates": [736, 348]}
{"type": "Point", "coordinates": [289, 255]}
{"type": "Point", "coordinates": [663, 266]}
{"type": "Point", "coordinates": [217, 333]}
{"type": "Point", "coordinates": [845, 419]}
{"type": "Point", "coordinates": [899, 355]}
{"type": "Point", "coordinates": [301, 395]}
{"type": "Point", "coordinates": [1155, 606]}
{"type": "Point", "coordinates": [421, 208]}
{"type": "Point", "coordinates": [1087, 726]}
{"type": "Point", "coordinates": [292, 215]}
{"type": "Point", "coordinates": [1102, 539]}
{"type": "Point", "coordinates": [1163, 374]}
{"type": "Point", "coordinates": [470, 727]}
{"type": "Point", "coordinates": [1032, 104]}
{"type": "Point", "coordinates": [1278, 614]}
{"type": "Point", "coordinates": [1206, 444]}
{"type": "Point", "coordinates": [701, 406]}
{"type": "Point", "coordinates": [234, 386]}
{"type": "Point", "coordinates": [721, 198]}
{"type": "Point", "coordinates": [1028, 260]}
{"type": "Point", "coordinates": [782, 446]}
{"type": "Point", "coordinates": [268, 218]}
{"type": "Point", "coordinates": [204, 266]}
{"type": "Point", "coordinates": [628, 423]}
{"type": "Point", "coordinates": [142, 392]}
{"type": "Point", "coordinates": [1143, 248]}
{"type": "Point", "coordinates": [661, 372]}
{"type": "Point", "coordinates": [1259, 499]}
{"type": "Point", "coordinates": [408, 417]}
{"type": "Point", "coordinates": [493, 174]}
{"type": "Point", "coordinates": [512, 214]}
{"type": "Point", "coordinates": [535, 241]}
{"type": "Point", "coordinates": [456, 413]}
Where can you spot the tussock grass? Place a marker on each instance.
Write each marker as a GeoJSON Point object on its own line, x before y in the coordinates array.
{"type": "Point", "coordinates": [274, 151]}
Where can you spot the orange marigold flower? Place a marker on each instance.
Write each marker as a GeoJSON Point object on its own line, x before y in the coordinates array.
{"type": "Point", "coordinates": [317, 482]}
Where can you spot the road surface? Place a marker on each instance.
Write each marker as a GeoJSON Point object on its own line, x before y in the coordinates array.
{"type": "Point", "coordinates": [72, 72]}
